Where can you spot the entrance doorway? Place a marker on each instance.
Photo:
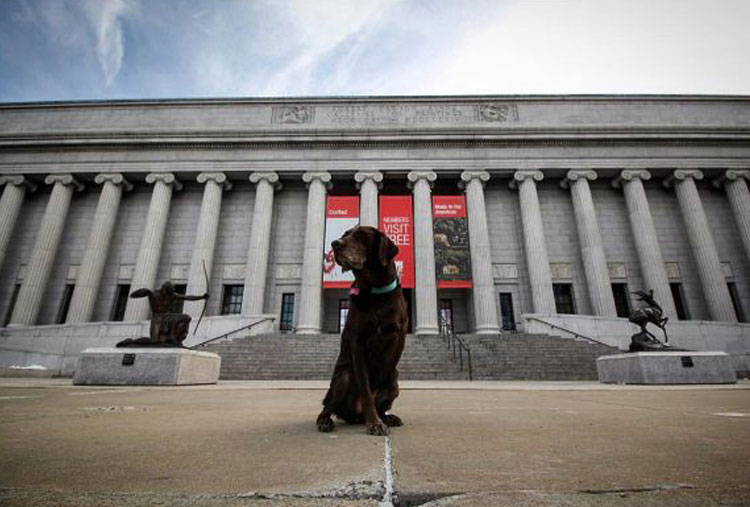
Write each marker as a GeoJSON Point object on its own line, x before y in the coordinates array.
{"type": "Point", "coordinates": [408, 294]}
{"type": "Point", "coordinates": [446, 316]}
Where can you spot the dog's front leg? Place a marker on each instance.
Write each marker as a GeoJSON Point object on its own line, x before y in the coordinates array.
{"type": "Point", "coordinates": [373, 424]}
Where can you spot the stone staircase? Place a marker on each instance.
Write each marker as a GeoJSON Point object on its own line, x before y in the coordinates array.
{"type": "Point", "coordinates": [522, 356]}
{"type": "Point", "coordinates": [515, 356]}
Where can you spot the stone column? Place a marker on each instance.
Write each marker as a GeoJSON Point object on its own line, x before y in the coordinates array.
{"type": "Point", "coordinates": [147, 262]}
{"type": "Point", "coordinates": [95, 256]}
{"type": "Point", "coordinates": [312, 263]}
{"type": "Point", "coordinates": [42, 259]}
{"type": "Point", "coordinates": [715, 290]}
{"type": "Point", "coordinates": [592, 247]}
{"type": "Point", "coordinates": [10, 207]}
{"type": "Point", "coordinates": [485, 309]}
{"type": "Point", "coordinates": [205, 240]}
{"type": "Point", "coordinates": [647, 246]}
{"type": "Point", "coordinates": [535, 244]}
{"type": "Point", "coordinates": [258, 250]}
{"type": "Point", "coordinates": [739, 201]}
{"type": "Point", "coordinates": [424, 253]}
{"type": "Point", "coordinates": [368, 182]}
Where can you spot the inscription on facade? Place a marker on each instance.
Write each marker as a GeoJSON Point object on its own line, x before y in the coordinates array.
{"type": "Point", "coordinates": [293, 114]}
{"type": "Point", "coordinates": [398, 114]}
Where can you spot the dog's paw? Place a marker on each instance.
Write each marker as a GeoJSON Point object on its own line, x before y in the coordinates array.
{"type": "Point", "coordinates": [377, 428]}
{"type": "Point", "coordinates": [325, 425]}
{"type": "Point", "coordinates": [392, 421]}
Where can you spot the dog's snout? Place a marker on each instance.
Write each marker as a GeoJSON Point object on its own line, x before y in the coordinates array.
{"type": "Point", "coordinates": [336, 243]}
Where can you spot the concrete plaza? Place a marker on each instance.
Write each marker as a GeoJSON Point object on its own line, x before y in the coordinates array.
{"type": "Point", "coordinates": [481, 443]}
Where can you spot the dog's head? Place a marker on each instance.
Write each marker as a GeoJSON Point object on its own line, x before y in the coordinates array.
{"type": "Point", "coordinates": [363, 247]}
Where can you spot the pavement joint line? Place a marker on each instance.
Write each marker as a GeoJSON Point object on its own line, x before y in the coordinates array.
{"type": "Point", "coordinates": [388, 481]}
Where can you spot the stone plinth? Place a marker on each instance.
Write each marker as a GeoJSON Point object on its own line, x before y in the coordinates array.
{"type": "Point", "coordinates": [150, 366]}
{"type": "Point", "coordinates": [689, 367]}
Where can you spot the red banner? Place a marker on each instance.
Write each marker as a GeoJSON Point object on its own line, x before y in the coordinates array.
{"type": "Point", "coordinates": [451, 236]}
{"type": "Point", "coordinates": [342, 213]}
{"type": "Point", "coordinates": [396, 220]}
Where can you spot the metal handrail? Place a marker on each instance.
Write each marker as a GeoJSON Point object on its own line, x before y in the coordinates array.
{"type": "Point", "coordinates": [579, 335]}
{"type": "Point", "coordinates": [232, 332]}
{"type": "Point", "coordinates": [447, 332]}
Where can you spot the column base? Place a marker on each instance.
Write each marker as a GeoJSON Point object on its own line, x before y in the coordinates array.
{"type": "Point", "coordinates": [307, 330]}
{"type": "Point", "coordinates": [487, 330]}
{"type": "Point", "coordinates": [427, 330]}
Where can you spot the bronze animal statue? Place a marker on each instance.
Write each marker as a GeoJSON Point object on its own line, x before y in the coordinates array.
{"type": "Point", "coordinates": [168, 328]}
{"type": "Point", "coordinates": [651, 313]}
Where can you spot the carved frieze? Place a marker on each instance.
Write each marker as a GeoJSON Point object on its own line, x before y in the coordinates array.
{"type": "Point", "coordinates": [617, 270]}
{"type": "Point", "coordinates": [726, 268]}
{"type": "Point", "coordinates": [504, 271]}
{"type": "Point", "coordinates": [560, 271]}
{"type": "Point", "coordinates": [288, 271]}
{"type": "Point", "coordinates": [179, 272]}
{"type": "Point", "coordinates": [234, 272]}
{"type": "Point", "coordinates": [296, 114]}
{"type": "Point", "coordinates": [497, 112]}
{"type": "Point", "coordinates": [673, 270]}
{"type": "Point", "coordinates": [126, 272]}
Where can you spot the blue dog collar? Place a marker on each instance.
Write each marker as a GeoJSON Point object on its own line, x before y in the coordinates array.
{"type": "Point", "coordinates": [384, 290]}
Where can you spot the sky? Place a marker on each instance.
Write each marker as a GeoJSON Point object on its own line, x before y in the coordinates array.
{"type": "Point", "coordinates": [131, 49]}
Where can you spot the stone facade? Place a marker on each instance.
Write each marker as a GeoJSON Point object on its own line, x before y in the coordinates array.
{"type": "Point", "coordinates": [599, 190]}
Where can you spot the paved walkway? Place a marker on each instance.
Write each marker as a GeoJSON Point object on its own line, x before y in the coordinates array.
{"type": "Point", "coordinates": [464, 444]}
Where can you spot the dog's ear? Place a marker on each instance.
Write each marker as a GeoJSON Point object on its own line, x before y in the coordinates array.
{"type": "Point", "coordinates": [388, 249]}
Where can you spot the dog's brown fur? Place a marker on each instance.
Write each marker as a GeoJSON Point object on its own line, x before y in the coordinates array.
{"type": "Point", "coordinates": [365, 378]}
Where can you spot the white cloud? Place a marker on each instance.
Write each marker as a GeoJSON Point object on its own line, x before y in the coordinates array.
{"type": "Point", "coordinates": [318, 28]}
{"type": "Point", "coordinates": [106, 21]}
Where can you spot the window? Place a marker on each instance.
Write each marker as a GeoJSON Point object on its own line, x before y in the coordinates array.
{"type": "Point", "coordinates": [231, 302]}
{"type": "Point", "coordinates": [506, 311]}
{"type": "Point", "coordinates": [286, 323]}
{"type": "Point", "coordinates": [564, 302]}
{"type": "Point", "coordinates": [343, 312]}
{"type": "Point", "coordinates": [12, 304]}
{"type": "Point", "coordinates": [738, 310]}
{"type": "Point", "coordinates": [446, 316]}
{"type": "Point", "coordinates": [622, 299]}
{"type": "Point", "coordinates": [679, 301]}
{"type": "Point", "coordinates": [178, 304]}
{"type": "Point", "coordinates": [62, 312]}
{"type": "Point", "coordinates": [121, 301]}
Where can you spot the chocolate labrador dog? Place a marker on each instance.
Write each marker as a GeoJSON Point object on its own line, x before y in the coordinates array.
{"type": "Point", "coordinates": [365, 379]}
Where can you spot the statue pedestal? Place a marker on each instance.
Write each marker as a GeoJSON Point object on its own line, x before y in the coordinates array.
{"type": "Point", "coordinates": [146, 366]}
{"type": "Point", "coordinates": [689, 367]}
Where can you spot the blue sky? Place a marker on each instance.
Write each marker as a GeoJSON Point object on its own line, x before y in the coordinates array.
{"type": "Point", "coordinates": [121, 49]}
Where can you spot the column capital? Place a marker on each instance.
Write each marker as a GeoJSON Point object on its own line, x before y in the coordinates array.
{"type": "Point", "coordinates": [575, 174]}
{"type": "Point", "coordinates": [217, 177]}
{"type": "Point", "coordinates": [731, 175]}
{"type": "Point", "coordinates": [271, 177]}
{"type": "Point", "coordinates": [166, 178]}
{"type": "Point", "coordinates": [468, 176]}
{"type": "Point", "coordinates": [521, 176]}
{"type": "Point", "coordinates": [374, 176]}
{"type": "Point", "coordinates": [323, 176]}
{"type": "Point", "coordinates": [115, 179]}
{"type": "Point", "coordinates": [681, 175]}
{"type": "Point", "coordinates": [628, 175]}
{"type": "Point", "coordinates": [65, 179]}
{"type": "Point", "coordinates": [415, 176]}
{"type": "Point", "coordinates": [18, 180]}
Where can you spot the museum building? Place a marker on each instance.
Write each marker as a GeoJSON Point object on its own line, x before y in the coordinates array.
{"type": "Point", "coordinates": [510, 212]}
